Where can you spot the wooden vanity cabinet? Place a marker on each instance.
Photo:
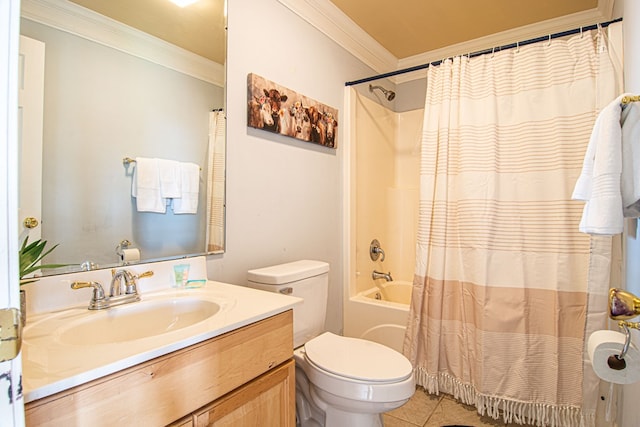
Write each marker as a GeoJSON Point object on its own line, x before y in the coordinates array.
{"type": "Point", "coordinates": [266, 401]}
{"type": "Point", "coordinates": [242, 378]}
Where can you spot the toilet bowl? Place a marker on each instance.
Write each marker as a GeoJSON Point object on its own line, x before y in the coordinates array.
{"type": "Point", "coordinates": [340, 381]}
{"type": "Point", "coordinates": [353, 381]}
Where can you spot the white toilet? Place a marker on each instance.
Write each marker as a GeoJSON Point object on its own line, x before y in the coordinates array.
{"type": "Point", "coordinates": [340, 381]}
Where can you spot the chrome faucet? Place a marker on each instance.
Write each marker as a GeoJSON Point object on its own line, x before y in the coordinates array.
{"type": "Point", "coordinates": [121, 280]}
{"type": "Point", "coordinates": [126, 280]}
{"type": "Point", "coordinates": [379, 275]}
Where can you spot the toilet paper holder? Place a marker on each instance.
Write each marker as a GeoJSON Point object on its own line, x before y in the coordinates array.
{"type": "Point", "coordinates": [623, 305]}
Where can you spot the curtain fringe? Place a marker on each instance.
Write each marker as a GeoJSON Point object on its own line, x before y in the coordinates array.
{"type": "Point", "coordinates": [511, 411]}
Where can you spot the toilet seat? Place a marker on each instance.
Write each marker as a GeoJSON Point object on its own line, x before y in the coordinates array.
{"type": "Point", "coordinates": [353, 390]}
{"type": "Point", "coordinates": [357, 359]}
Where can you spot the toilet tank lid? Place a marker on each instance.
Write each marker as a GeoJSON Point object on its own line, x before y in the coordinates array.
{"type": "Point", "coordinates": [289, 272]}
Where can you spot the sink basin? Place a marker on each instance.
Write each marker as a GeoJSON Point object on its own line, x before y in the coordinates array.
{"type": "Point", "coordinates": [135, 321]}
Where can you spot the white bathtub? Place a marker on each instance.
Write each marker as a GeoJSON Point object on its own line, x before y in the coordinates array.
{"type": "Point", "coordinates": [379, 314]}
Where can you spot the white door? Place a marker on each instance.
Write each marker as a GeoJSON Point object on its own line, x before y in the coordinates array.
{"type": "Point", "coordinates": [11, 401]}
{"type": "Point", "coordinates": [30, 123]}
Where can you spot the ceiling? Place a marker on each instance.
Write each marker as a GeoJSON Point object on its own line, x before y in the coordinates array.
{"type": "Point", "coordinates": [412, 27]}
{"type": "Point", "coordinates": [199, 28]}
{"type": "Point", "coordinates": [405, 29]}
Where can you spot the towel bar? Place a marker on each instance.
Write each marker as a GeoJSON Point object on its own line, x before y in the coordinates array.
{"type": "Point", "coordinates": [128, 160]}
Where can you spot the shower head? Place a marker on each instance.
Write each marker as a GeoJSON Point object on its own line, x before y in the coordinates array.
{"type": "Point", "coordinates": [389, 94]}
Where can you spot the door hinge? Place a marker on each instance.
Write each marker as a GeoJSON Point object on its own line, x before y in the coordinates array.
{"type": "Point", "coordinates": [10, 333]}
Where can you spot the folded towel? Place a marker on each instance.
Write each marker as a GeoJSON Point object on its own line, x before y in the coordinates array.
{"type": "Point", "coordinates": [599, 181]}
{"type": "Point", "coordinates": [170, 178]}
{"type": "Point", "coordinates": [188, 201]}
{"type": "Point", "coordinates": [630, 175]}
{"type": "Point", "coordinates": [146, 186]}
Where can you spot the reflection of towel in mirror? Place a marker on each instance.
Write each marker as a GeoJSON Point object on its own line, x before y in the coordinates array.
{"type": "Point", "coordinates": [170, 178]}
{"type": "Point", "coordinates": [190, 187]}
{"type": "Point", "coordinates": [146, 186]}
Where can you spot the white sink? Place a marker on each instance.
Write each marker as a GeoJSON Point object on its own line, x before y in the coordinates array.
{"type": "Point", "coordinates": [135, 321]}
{"type": "Point", "coordinates": [71, 346]}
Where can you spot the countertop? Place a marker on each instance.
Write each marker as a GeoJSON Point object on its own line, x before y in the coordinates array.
{"type": "Point", "coordinates": [50, 366]}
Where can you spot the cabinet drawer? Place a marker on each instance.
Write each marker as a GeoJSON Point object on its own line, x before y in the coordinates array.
{"type": "Point", "coordinates": [170, 387]}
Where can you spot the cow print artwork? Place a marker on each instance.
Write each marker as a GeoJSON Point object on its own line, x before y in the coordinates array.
{"type": "Point", "coordinates": [276, 109]}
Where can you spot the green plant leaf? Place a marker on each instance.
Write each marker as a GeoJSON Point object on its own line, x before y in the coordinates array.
{"type": "Point", "coordinates": [30, 255]}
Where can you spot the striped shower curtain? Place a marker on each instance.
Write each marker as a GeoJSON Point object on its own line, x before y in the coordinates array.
{"type": "Point", "coordinates": [501, 306]}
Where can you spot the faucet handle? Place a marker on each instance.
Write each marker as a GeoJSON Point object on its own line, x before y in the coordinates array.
{"type": "Point", "coordinates": [131, 287]}
{"type": "Point", "coordinates": [145, 274]}
{"type": "Point", "coordinates": [98, 298]}
{"type": "Point", "coordinates": [375, 251]}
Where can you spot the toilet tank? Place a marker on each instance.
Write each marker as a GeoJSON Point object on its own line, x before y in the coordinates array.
{"type": "Point", "coordinates": [306, 279]}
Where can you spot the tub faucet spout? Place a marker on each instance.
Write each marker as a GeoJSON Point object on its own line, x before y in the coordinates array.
{"type": "Point", "coordinates": [380, 275]}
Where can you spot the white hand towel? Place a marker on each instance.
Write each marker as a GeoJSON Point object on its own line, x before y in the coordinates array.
{"type": "Point", "coordinates": [146, 186]}
{"type": "Point", "coordinates": [170, 178]}
{"type": "Point", "coordinates": [599, 181]}
{"type": "Point", "coordinates": [188, 201]}
{"type": "Point", "coordinates": [630, 176]}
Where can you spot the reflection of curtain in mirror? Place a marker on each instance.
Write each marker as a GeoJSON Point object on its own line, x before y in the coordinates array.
{"type": "Point", "coordinates": [215, 182]}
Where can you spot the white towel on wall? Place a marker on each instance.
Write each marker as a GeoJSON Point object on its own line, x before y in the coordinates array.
{"type": "Point", "coordinates": [599, 181]}
{"type": "Point", "coordinates": [146, 186]}
{"type": "Point", "coordinates": [190, 190]}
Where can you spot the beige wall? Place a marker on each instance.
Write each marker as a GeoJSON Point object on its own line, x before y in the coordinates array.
{"type": "Point", "coordinates": [386, 174]}
{"type": "Point", "coordinates": [284, 196]}
{"type": "Point", "coordinates": [629, 414]}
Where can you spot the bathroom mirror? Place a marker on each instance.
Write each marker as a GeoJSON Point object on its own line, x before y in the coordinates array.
{"type": "Point", "coordinates": [123, 80]}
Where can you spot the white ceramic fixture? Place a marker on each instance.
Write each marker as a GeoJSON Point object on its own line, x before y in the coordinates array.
{"type": "Point", "coordinates": [131, 322]}
{"type": "Point", "coordinates": [340, 381]}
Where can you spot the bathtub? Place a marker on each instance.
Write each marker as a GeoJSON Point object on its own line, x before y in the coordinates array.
{"type": "Point", "coordinates": [379, 314]}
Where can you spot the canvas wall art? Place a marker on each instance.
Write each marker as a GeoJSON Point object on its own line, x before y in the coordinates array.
{"type": "Point", "coordinates": [280, 110]}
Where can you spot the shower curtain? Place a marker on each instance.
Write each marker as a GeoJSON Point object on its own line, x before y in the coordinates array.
{"type": "Point", "coordinates": [216, 181]}
{"type": "Point", "coordinates": [501, 305]}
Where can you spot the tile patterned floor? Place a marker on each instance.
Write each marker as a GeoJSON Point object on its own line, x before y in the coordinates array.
{"type": "Point", "coordinates": [425, 410]}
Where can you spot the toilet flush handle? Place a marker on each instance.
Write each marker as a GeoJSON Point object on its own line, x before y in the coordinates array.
{"type": "Point", "coordinates": [286, 291]}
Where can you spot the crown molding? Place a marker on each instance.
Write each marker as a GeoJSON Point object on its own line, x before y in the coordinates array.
{"type": "Point", "coordinates": [326, 17]}
{"type": "Point", "coordinates": [82, 22]}
{"type": "Point", "coordinates": [606, 8]}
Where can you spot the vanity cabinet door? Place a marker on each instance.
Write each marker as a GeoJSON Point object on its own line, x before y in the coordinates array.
{"type": "Point", "coordinates": [267, 401]}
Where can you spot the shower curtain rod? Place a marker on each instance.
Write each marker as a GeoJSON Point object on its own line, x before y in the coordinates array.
{"type": "Point", "coordinates": [485, 51]}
